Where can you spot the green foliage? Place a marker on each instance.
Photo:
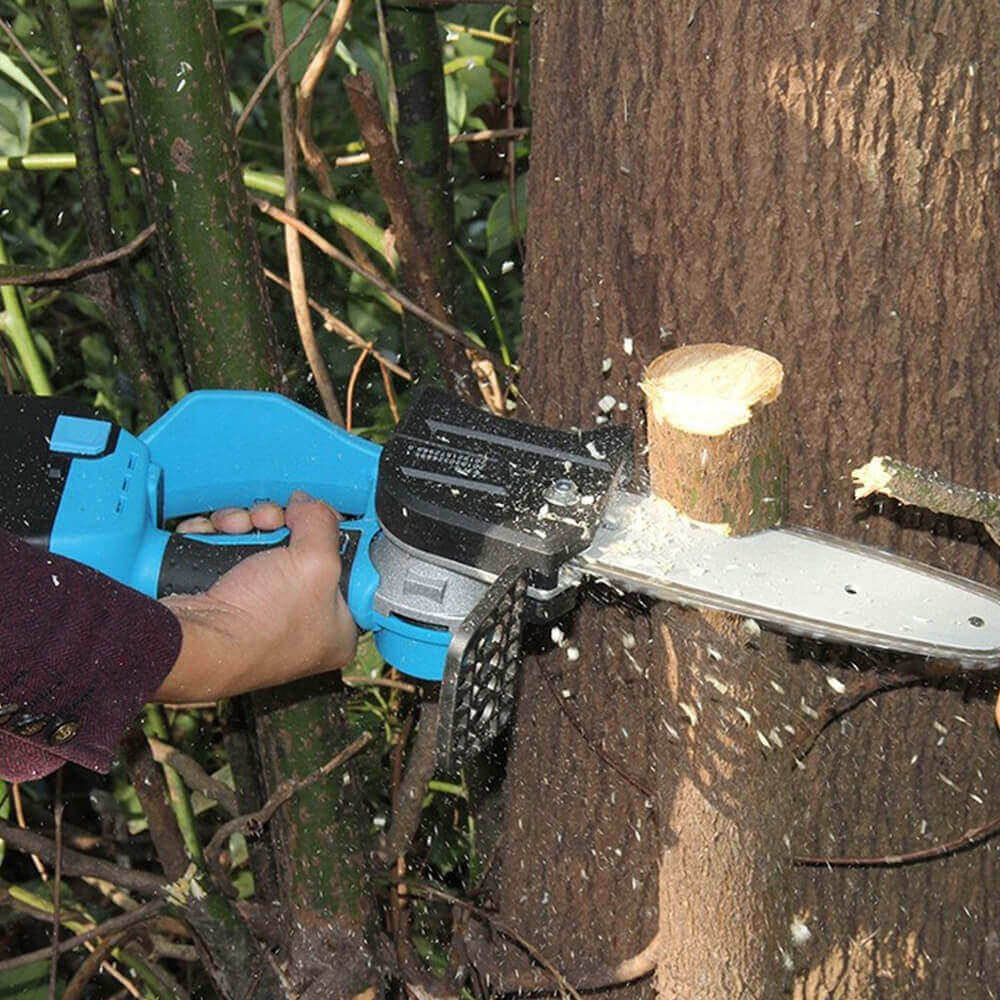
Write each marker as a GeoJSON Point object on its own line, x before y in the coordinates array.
{"type": "Point", "coordinates": [30, 982]}
{"type": "Point", "coordinates": [15, 120]}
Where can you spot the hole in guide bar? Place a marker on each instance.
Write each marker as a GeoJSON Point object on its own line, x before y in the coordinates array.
{"type": "Point", "coordinates": [848, 589]}
{"type": "Point", "coordinates": [976, 622]}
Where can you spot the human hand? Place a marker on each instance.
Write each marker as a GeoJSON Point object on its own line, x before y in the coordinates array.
{"type": "Point", "coordinates": [275, 617]}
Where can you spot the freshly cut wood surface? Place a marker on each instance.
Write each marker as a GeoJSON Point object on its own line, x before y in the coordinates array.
{"type": "Point", "coordinates": [711, 388]}
{"type": "Point", "coordinates": [715, 435]}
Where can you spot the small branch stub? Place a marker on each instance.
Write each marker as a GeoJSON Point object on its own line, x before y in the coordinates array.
{"type": "Point", "coordinates": [715, 436]}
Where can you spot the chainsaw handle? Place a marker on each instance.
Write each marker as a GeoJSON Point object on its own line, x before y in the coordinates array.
{"type": "Point", "coordinates": [221, 448]}
{"type": "Point", "coordinates": [79, 486]}
{"type": "Point", "coordinates": [192, 563]}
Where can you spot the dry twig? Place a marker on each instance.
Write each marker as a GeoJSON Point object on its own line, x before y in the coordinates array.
{"type": "Point", "coordinates": [355, 372]}
{"type": "Point", "coordinates": [82, 267]}
{"type": "Point", "coordinates": [380, 283]}
{"type": "Point", "coordinates": [599, 751]}
{"type": "Point", "coordinates": [33, 63]}
{"type": "Point", "coordinates": [920, 488]}
{"type": "Point", "coordinates": [75, 863]}
{"type": "Point", "coordinates": [289, 787]}
{"type": "Point", "coordinates": [293, 246]}
{"type": "Point", "coordinates": [147, 911]}
{"type": "Point", "coordinates": [311, 153]}
{"type": "Point", "coordinates": [278, 63]}
{"type": "Point", "coordinates": [194, 775]}
{"type": "Point", "coordinates": [968, 839]}
{"type": "Point", "coordinates": [336, 325]}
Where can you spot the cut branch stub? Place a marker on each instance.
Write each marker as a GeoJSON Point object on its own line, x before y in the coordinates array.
{"type": "Point", "coordinates": [716, 447]}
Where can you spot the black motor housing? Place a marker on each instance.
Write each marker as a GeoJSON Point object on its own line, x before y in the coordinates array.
{"type": "Point", "coordinates": [470, 488]}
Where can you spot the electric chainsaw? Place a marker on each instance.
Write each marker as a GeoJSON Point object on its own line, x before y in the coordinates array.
{"type": "Point", "coordinates": [458, 531]}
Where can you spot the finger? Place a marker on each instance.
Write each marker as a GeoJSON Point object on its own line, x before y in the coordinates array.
{"type": "Point", "coordinates": [267, 516]}
{"type": "Point", "coordinates": [199, 525]}
{"type": "Point", "coordinates": [232, 521]}
{"type": "Point", "coordinates": [313, 524]}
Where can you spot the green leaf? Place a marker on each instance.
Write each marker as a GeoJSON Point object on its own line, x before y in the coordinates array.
{"type": "Point", "coordinates": [30, 982]}
{"type": "Point", "coordinates": [20, 79]}
{"type": "Point", "coordinates": [295, 16]}
{"type": "Point", "coordinates": [500, 232]}
{"type": "Point", "coordinates": [15, 121]}
{"type": "Point", "coordinates": [456, 103]}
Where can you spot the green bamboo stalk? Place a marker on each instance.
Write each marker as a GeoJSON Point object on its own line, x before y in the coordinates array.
{"type": "Point", "coordinates": [188, 157]}
{"type": "Point", "coordinates": [357, 222]}
{"type": "Point", "coordinates": [16, 324]}
{"type": "Point", "coordinates": [175, 81]}
{"type": "Point", "coordinates": [155, 724]}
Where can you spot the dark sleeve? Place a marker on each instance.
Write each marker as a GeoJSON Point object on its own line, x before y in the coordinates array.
{"type": "Point", "coordinates": [79, 656]}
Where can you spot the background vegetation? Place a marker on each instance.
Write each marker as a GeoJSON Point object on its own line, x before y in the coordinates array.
{"type": "Point", "coordinates": [115, 337]}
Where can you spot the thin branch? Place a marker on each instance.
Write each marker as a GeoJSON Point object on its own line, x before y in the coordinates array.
{"type": "Point", "coordinates": [32, 62]}
{"type": "Point", "coordinates": [150, 783]}
{"type": "Point", "coordinates": [75, 863]}
{"type": "Point", "coordinates": [311, 153]}
{"type": "Point", "coordinates": [115, 924]}
{"type": "Point", "coordinates": [420, 274]}
{"type": "Point", "coordinates": [483, 135]}
{"type": "Point", "coordinates": [407, 804]}
{"type": "Point", "coordinates": [293, 245]}
{"type": "Point", "coordinates": [352, 381]}
{"type": "Point", "coordinates": [336, 325]}
{"type": "Point", "coordinates": [194, 775]}
{"type": "Point", "coordinates": [360, 680]}
{"type": "Point", "coordinates": [966, 841]}
{"type": "Point", "coordinates": [91, 965]}
{"type": "Point", "coordinates": [391, 397]}
{"type": "Point", "coordinates": [597, 977]}
{"type": "Point", "coordinates": [57, 816]}
{"type": "Point", "coordinates": [278, 63]}
{"type": "Point", "coordinates": [921, 488]}
{"type": "Point", "coordinates": [285, 790]}
{"type": "Point", "coordinates": [433, 893]}
{"type": "Point", "coordinates": [381, 284]}
{"type": "Point", "coordinates": [511, 103]}
{"type": "Point", "coordinates": [81, 268]}
{"type": "Point", "coordinates": [19, 816]}
{"type": "Point", "coordinates": [598, 751]}
{"type": "Point", "coordinates": [866, 686]}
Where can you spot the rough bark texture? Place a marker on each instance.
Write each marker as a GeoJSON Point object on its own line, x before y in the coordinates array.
{"type": "Point", "coordinates": [818, 181]}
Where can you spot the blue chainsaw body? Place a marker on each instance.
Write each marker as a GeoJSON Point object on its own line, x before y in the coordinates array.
{"type": "Point", "coordinates": [220, 448]}
{"type": "Point", "coordinates": [448, 539]}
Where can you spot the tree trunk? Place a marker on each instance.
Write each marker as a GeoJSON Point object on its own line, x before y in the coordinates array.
{"type": "Point", "coordinates": [818, 182]}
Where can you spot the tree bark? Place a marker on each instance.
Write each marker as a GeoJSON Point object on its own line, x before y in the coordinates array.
{"type": "Point", "coordinates": [818, 182]}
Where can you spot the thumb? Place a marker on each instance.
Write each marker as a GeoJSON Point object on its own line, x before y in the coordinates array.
{"type": "Point", "coordinates": [313, 524]}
